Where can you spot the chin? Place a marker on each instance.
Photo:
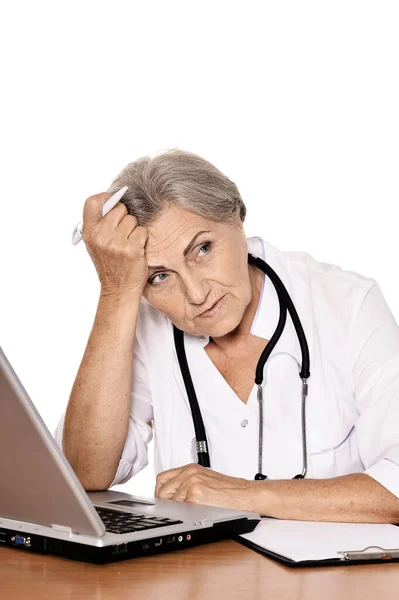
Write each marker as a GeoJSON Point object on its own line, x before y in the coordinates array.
{"type": "Point", "coordinates": [225, 327]}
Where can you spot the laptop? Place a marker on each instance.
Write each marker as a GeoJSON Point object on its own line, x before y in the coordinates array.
{"type": "Point", "coordinates": [44, 508]}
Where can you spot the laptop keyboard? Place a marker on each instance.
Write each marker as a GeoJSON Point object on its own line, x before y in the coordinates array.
{"type": "Point", "coordinates": [119, 522]}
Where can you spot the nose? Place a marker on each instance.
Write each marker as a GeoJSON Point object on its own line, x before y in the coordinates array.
{"type": "Point", "coordinates": [195, 289]}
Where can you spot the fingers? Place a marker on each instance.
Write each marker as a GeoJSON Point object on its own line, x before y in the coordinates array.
{"type": "Point", "coordinates": [165, 476]}
{"type": "Point", "coordinates": [92, 209]}
{"type": "Point", "coordinates": [169, 482]}
{"type": "Point", "coordinates": [201, 485]}
{"type": "Point", "coordinates": [116, 244]}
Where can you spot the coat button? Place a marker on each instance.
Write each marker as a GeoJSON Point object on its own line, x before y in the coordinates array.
{"type": "Point", "coordinates": [244, 423]}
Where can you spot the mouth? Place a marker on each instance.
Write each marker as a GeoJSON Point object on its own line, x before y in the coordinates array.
{"type": "Point", "coordinates": [208, 310]}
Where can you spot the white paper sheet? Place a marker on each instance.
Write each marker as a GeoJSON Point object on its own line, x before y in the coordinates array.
{"type": "Point", "coordinates": [310, 540]}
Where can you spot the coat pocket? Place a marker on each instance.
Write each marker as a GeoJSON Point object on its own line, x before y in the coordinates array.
{"type": "Point", "coordinates": [337, 459]}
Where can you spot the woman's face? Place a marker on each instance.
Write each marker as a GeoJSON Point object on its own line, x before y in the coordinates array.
{"type": "Point", "coordinates": [189, 283]}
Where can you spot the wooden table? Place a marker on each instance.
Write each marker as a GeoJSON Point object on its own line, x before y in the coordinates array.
{"type": "Point", "coordinates": [219, 570]}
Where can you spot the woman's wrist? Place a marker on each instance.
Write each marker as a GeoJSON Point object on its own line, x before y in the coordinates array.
{"type": "Point", "coordinates": [262, 499]}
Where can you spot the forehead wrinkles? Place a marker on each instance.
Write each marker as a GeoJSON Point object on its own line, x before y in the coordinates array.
{"type": "Point", "coordinates": [175, 239]}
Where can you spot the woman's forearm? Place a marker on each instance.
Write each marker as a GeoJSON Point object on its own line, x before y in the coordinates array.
{"type": "Point", "coordinates": [97, 415]}
{"type": "Point", "coordinates": [354, 498]}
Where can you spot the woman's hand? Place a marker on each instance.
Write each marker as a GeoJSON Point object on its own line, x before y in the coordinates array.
{"type": "Point", "coordinates": [116, 245]}
{"type": "Point", "coordinates": [201, 485]}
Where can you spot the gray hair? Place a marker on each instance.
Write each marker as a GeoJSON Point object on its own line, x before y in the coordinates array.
{"type": "Point", "coordinates": [181, 178]}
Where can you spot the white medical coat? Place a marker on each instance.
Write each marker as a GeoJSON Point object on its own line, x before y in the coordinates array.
{"type": "Point", "coordinates": [352, 408]}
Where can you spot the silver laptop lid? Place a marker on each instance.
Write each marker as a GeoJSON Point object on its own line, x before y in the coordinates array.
{"type": "Point", "coordinates": [37, 484]}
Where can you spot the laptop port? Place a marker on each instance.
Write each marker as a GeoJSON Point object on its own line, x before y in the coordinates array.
{"type": "Point", "coordinates": [146, 546]}
{"type": "Point", "coordinates": [170, 538]}
{"type": "Point", "coordinates": [21, 540]}
{"type": "Point", "coordinates": [158, 542]}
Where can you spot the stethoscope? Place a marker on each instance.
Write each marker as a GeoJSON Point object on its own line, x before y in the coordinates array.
{"type": "Point", "coordinates": [285, 302]}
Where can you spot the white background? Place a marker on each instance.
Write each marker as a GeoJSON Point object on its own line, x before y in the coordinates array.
{"type": "Point", "coordinates": [296, 102]}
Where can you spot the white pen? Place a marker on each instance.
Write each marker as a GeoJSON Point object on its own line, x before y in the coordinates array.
{"type": "Point", "coordinates": [109, 205]}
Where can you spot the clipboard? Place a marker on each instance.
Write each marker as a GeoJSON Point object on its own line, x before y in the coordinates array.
{"type": "Point", "coordinates": [277, 534]}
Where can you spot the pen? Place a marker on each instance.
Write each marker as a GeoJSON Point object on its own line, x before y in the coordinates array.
{"type": "Point", "coordinates": [109, 205]}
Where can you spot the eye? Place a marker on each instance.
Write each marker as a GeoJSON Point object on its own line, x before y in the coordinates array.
{"type": "Point", "coordinates": [151, 279]}
{"type": "Point", "coordinates": [206, 244]}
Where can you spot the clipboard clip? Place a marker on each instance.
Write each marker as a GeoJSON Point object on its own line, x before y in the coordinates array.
{"type": "Point", "coordinates": [379, 554]}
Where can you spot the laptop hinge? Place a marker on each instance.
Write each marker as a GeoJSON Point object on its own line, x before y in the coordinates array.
{"type": "Point", "coordinates": [63, 528]}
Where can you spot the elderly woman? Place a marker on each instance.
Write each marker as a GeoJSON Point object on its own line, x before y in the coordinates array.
{"type": "Point", "coordinates": [172, 256]}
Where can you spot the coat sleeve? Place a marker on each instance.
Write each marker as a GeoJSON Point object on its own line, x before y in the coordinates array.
{"type": "Point", "coordinates": [374, 348]}
{"type": "Point", "coordinates": [134, 456]}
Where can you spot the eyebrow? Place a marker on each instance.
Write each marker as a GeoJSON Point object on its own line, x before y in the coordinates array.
{"type": "Point", "coordinates": [185, 251]}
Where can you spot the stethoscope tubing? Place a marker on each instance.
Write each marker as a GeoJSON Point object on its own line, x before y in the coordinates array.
{"type": "Point", "coordinates": [284, 303]}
